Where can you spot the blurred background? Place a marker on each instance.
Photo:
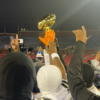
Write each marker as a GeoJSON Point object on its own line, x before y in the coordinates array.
{"type": "Point", "coordinates": [21, 17]}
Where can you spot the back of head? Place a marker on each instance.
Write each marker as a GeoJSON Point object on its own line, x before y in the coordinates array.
{"type": "Point", "coordinates": [17, 76]}
{"type": "Point", "coordinates": [88, 74]}
{"type": "Point", "coordinates": [49, 79]}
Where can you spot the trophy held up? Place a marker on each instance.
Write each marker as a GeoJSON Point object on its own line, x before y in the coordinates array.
{"type": "Point", "coordinates": [45, 24]}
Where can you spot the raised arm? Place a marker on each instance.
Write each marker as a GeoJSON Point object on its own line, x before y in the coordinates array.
{"type": "Point", "coordinates": [15, 44]}
{"type": "Point", "coordinates": [57, 62]}
{"type": "Point", "coordinates": [75, 80]}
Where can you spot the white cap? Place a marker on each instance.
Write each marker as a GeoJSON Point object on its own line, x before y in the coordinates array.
{"type": "Point", "coordinates": [49, 79]}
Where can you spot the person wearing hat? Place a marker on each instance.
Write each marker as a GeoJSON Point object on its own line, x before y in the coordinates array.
{"type": "Point", "coordinates": [51, 78]}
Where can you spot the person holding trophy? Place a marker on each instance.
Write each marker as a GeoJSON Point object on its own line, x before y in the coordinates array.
{"type": "Point", "coordinates": [51, 78]}
{"type": "Point", "coordinates": [45, 24]}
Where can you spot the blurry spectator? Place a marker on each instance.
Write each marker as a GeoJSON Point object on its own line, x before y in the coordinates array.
{"type": "Point", "coordinates": [17, 77]}
{"type": "Point", "coordinates": [75, 78]}
{"type": "Point", "coordinates": [95, 63]}
{"type": "Point", "coordinates": [97, 79]}
{"type": "Point", "coordinates": [15, 44]}
{"type": "Point", "coordinates": [38, 61]}
{"type": "Point", "coordinates": [89, 62]}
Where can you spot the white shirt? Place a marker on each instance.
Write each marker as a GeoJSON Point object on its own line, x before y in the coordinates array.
{"type": "Point", "coordinates": [95, 63]}
{"type": "Point", "coordinates": [94, 90]}
{"type": "Point", "coordinates": [62, 94]}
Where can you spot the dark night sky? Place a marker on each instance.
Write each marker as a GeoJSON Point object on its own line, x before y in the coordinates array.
{"type": "Point", "coordinates": [71, 14]}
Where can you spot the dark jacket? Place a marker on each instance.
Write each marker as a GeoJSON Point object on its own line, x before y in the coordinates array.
{"type": "Point", "coordinates": [77, 86]}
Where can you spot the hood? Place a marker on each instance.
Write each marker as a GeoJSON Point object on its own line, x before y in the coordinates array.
{"type": "Point", "coordinates": [17, 76]}
{"type": "Point", "coordinates": [88, 74]}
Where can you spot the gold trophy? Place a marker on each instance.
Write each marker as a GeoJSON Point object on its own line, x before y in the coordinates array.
{"type": "Point", "coordinates": [45, 24]}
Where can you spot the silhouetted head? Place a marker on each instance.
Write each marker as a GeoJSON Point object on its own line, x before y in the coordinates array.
{"type": "Point", "coordinates": [88, 74]}
{"type": "Point", "coordinates": [17, 76]}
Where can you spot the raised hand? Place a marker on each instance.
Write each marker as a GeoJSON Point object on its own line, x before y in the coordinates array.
{"type": "Point", "coordinates": [40, 49]}
{"type": "Point", "coordinates": [15, 44]}
{"type": "Point", "coordinates": [52, 48]}
{"type": "Point", "coordinates": [49, 36]}
{"type": "Point", "coordinates": [81, 35]}
{"type": "Point", "coordinates": [97, 55]}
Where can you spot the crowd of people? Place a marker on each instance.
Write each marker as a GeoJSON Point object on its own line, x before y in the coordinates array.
{"type": "Point", "coordinates": [22, 78]}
